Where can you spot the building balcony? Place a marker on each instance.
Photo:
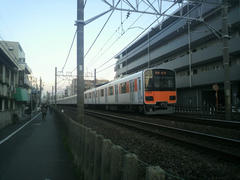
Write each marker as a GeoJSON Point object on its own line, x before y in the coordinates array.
{"type": "Point", "coordinates": [21, 95]}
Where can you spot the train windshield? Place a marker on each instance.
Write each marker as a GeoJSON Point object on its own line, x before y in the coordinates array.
{"type": "Point", "coordinates": [159, 80]}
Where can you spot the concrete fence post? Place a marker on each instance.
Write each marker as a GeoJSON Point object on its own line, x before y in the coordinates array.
{"type": "Point", "coordinates": [155, 173]}
{"type": "Point", "coordinates": [106, 159]}
{"type": "Point", "coordinates": [130, 167]}
{"type": "Point", "coordinates": [98, 157]}
{"type": "Point", "coordinates": [91, 155]}
{"type": "Point", "coordinates": [79, 145]}
{"type": "Point", "coordinates": [75, 140]}
{"type": "Point", "coordinates": [70, 135]}
{"type": "Point", "coordinates": [86, 152]}
{"type": "Point", "coordinates": [81, 149]}
{"type": "Point", "coordinates": [117, 154]}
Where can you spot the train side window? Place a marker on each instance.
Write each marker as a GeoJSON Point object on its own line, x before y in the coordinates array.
{"type": "Point", "coordinates": [119, 91]}
{"type": "Point", "coordinates": [127, 87]}
{"type": "Point", "coordinates": [123, 87]}
{"type": "Point", "coordinates": [135, 85]}
{"type": "Point", "coordinates": [139, 84]}
{"type": "Point", "coordinates": [85, 96]}
{"type": "Point", "coordinates": [110, 91]}
{"type": "Point", "coordinates": [102, 92]}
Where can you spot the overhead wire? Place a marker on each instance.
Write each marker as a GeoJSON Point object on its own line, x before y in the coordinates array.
{"type": "Point", "coordinates": [105, 45]}
{"type": "Point", "coordinates": [69, 51]}
{"type": "Point", "coordinates": [135, 39]}
{"type": "Point", "coordinates": [100, 31]}
{"type": "Point", "coordinates": [97, 35]}
{"type": "Point", "coordinates": [123, 34]}
{"type": "Point", "coordinates": [122, 22]}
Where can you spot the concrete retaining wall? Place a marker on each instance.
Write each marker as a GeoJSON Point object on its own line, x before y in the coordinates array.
{"type": "Point", "coordinates": [99, 159]}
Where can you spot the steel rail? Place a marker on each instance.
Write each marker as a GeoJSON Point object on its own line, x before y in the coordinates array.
{"type": "Point", "coordinates": [204, 121]}
{"type": "Point", "coordinates": [196, 137]}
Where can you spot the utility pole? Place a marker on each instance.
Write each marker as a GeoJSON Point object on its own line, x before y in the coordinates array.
{"type": "Point", "coordinates": [148, 50]}
{"type": "Point", "coordinates": [55, 98]}
{"type": "Point", "coordinates": [80, 61]}
{"type": "Point", "coordinates": [40, 98]}
{"type": "Point", "coordinates": [95, 79]}
{"type": "Point", "coordinates": [227, 83]}
{"type": "Point", "coordinates": [52, 95]}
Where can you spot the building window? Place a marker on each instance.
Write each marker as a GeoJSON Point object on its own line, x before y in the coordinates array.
{"type": "Point", "coordinates": [12, 78]}
{"type": "Point", "coordinates": [1, 73]}
{"type": "Point", "coordinates": [194, 71]}
{"type": "Point", "coordinates": [7, 76]}
{"type": "Point", "coordinates": [1, 101]}
{"type": "Point", "coordinates": [6, 104]}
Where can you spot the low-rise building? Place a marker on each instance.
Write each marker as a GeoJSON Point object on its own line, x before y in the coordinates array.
{"type": "Point", "coordinates": [15, 87]}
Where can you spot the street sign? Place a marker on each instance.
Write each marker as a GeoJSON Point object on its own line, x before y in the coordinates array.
{"type": "Point", "coordinates": [215, 87]}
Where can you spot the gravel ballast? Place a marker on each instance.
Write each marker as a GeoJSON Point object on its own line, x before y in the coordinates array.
{"type": "Point", "coordinates": [175, 159]}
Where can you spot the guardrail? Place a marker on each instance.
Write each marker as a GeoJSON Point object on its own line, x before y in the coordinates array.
{"type": "Point", "coordinates": [209, 110]}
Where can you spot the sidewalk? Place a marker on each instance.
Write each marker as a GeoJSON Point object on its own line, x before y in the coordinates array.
{"type": "Point", "coordinates": [36, 153]}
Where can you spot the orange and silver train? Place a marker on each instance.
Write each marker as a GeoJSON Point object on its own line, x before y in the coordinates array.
{"type": "Point", "coordinates": [152, 91]}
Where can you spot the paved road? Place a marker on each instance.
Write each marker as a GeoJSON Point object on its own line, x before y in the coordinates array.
{"type": "Point", "coordinates": [36, 152]}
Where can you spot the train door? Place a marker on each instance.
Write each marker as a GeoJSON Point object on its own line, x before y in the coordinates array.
{"type": "Point", "coordinates": [131, 91]}
{"type": "Point", "coordinates": [105, 93]}
{"type": "Point", "coordinates": [116, 94]}
{"type": "Point", "coordinates": [139, 90]}
{"type": "Point", "coordinates": [95, 96]}
{"type": "Point", "coordinates": [98, 96]}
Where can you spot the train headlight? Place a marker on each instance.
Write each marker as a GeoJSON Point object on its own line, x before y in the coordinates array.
{"type": "Point", "coordinates": [149, 98]}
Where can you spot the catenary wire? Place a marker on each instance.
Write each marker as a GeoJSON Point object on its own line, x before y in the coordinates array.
{"type": "Point", "coordinates": [131, 26]}
{"type": "Point", "coordinates": [136, 39]}
{"type": "Point", "coordinates": [69, 50]}
{"type": "Point", "coordinates": [97, 36]}
{"type": "Point", "coordinates": [100, 32]}
{"type": "Point", "coordinates": [122, 22]}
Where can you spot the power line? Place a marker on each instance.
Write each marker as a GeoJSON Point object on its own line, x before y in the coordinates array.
{"type": "Point", "coordinates": [132, 42]}
{"type": "Point", "coordinates": [99, 33]}
{"type": "Point", "coordinates": [69, 50]}
{"type": "Point", "coordinates": [106, 44]}
{"type": "Point", "coordinates": [131, 26]}
{"type": "Point", "coordinates": [85, 3]}
{"type": "Point", "coordinates": [122, 22]}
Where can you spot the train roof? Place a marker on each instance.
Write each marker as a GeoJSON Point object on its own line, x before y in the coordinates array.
{"type": "Point", "coordinates": [119, 80]}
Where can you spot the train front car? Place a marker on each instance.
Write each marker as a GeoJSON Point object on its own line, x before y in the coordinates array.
{"type": "Point", "coordinates": [159, 91]}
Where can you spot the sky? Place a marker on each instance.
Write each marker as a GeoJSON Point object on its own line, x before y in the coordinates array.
{"type": "Point", "coordinates": [45, 30]}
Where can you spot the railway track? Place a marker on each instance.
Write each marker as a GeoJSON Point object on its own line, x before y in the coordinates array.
{"type": "Point", "coordinates": [223, 146]}
{"type": "Point", "coordinates": [204, 121]}
{"type": "Point", "coordinates": [227, 147]}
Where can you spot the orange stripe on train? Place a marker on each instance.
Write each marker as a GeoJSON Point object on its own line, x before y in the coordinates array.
{"type": "Point", "coordinates": [160, 96]}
